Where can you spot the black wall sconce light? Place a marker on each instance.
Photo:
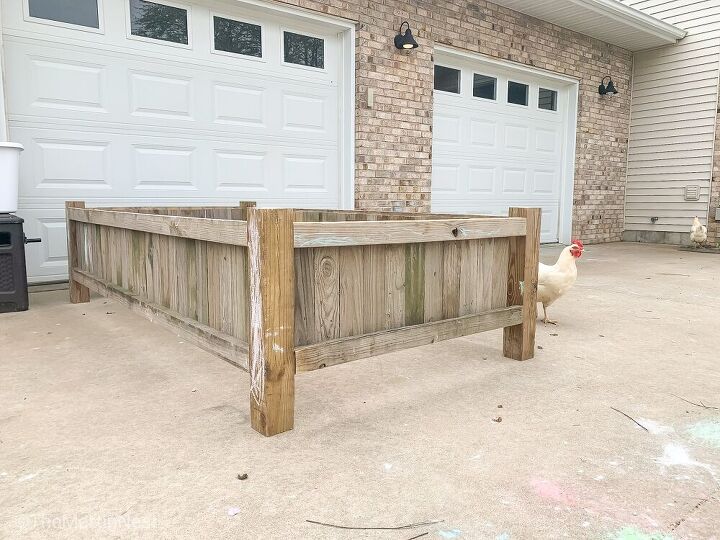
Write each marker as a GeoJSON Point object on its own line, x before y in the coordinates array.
{"type": "Point", "coordinates": [607, 90]}
{"type": "Point", "coordinates": [405, 40]}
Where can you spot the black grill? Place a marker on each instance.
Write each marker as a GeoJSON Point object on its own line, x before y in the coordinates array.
{"type": "Point", "coordinates": [13, 279]}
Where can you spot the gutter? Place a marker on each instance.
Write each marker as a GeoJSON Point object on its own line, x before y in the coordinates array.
{"type": "Point", "coordinates": [633, 17]}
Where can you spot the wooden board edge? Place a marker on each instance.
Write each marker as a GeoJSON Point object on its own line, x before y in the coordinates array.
{"type": "Point", "coordinates": [230, 349]}
{"type": "Point", "coordinates": [357, 233]}
{"type": "Point", "coordinates": [221, 231]}
{"type": "Point", "coordinates": [339, 351]}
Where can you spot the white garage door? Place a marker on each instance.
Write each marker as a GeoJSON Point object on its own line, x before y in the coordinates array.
{"type": "Point", "coordinates": [136, 102]}
{"type": "Point", "coordinates": [501, 138]}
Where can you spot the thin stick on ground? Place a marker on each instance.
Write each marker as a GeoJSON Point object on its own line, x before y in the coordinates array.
{"type": "Point", "coordinates": [631, 418]}
{"type": "Point", "coordinates": [701, 404]}
{"type": "Point", "coordinates": [397, 528]}
{"type": "Point", "coordinates": [419, 535]}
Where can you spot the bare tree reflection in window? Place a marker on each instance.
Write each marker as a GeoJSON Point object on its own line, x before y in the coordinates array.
{"type": "Point", "coordinates": [237, 37]}
{"type": "Point", "coordinates": [158, 21]}
{"type": "Point", "coordinates": [304, 50]}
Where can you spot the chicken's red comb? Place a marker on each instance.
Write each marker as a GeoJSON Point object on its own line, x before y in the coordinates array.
{"type": "Point", "coordinates": [578, 243]}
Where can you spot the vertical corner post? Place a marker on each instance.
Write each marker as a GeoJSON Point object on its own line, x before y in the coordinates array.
{"type": "Point", "coordinates": [271, 352]}
{"type": "Point", "coordinates": [78, 293]}
{"type": "Point", "coordinates": [244, 205]}
{"type": "Point", "coordinates": [519, 340]}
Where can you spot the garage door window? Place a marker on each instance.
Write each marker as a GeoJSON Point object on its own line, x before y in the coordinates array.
{"type": "Point", "coordinates": [158, 21]}
{"type": "Point", "coordinates": [517, 93]}
{"type": "Point", "coordinates": [77, 12]}
{"type": "Point", "coordinates": [303, 50]}
{"type": "Point", "coordinates": [447, 79]}
{"type": "Point", "coordinates": [484, 87]}
{"type": "Point", "coordinates": [237, 37]}
{"type": "Point", "coordinates": [547, 99]}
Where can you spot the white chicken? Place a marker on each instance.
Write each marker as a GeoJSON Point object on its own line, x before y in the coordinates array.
{"type": "Point", "coordinates": [698, 233]}
{"type": "Point", "coordinates": [556, 280]}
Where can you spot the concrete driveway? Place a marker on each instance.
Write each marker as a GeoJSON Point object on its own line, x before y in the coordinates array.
{"type": "Point", "coordinates": [111, 426]}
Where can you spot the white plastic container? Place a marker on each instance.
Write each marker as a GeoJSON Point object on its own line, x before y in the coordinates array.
{"type": "Point", "coordinates": [9, 176]}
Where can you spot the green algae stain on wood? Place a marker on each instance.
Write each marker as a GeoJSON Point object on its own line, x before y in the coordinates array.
{"type": "Point", "coordinates": [414, 284]}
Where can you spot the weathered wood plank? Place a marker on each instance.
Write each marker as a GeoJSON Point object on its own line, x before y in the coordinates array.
{"type": "Point", "coordinates": [305, 330]}
{"type": "Point", "coordinates": [239, 293]}
{"type": "Point", "coordinates": [451, 280]}
{"type": "Point", "coordinates": [499, 272]}
{"type": "Point", "coordinates": [524, 255]}
{"type": "Point", "coordinates": [201, 271]}
{"type": "Point", "coordinates": [330, 353]}
{"type": "Point", "coordinates": [220, 275]}
{"type": "Point", "coordinates": [486, 255]}
{"type": "Point", "coordinates": [327, 293]}
{"type": "Point", "coordinates": [306, 214]}
{"type": "Point", "coordinates": [272, 297]}
{"type": "Point", "coordinates": [226, 347]}
{"type": "Point", "coordinates": [224, 231]}
{"type": "Point", "coordinates": [415, 283]}
{"type": "Point", "coordinates": [433, 296]}
{"type": "Point", "coordinates": [78, 292]}
{"type": "Point", "coordinates": [470, 284]}
{"type": "Point", "coordinates": [374, 297]}
{"type": "Point", "coordinates": [354, 233]}
{"type": "Point", "coordinates": [351, 291]}
{"type": "Point", "coordinates": [394, 286]}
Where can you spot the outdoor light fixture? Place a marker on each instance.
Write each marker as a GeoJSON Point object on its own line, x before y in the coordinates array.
{"type": "Point", "coordinates": [405, 40]}
{"type": "Point", "coordinates": [608, 90]}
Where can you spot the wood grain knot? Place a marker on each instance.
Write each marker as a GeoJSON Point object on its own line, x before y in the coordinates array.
{"type": "Point", "coordinates": [327, 267]}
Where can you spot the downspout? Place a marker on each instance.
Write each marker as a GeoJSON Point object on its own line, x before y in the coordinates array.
{"type": "Point", "coordinates": [627, 149]}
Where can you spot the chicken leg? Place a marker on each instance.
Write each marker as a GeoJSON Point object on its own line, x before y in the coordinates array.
{"type": "Point", "coordinates": [546, 320]}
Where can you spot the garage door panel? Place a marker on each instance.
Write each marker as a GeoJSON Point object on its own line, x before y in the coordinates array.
{"type": "Point", "coordinates": [446, 178]}
{"type": "Point", "coordinates": [84, 164]}
{"type": "Point", "coordinates": [242, 170]}
{"type": "Point", "coordinates": [482, 179]}
{"type": "Point", "coordinates": [160, 96]}
{"type": "Point", "coordinates": [483, 133]}
{"type": "Point", "coordinates": [489, 155]}
{"type": "Point", "coordinates": [447, 128]}
{"type": "Point", "coordinates": [138, 93]}
{"type": "Point", "coordinates": [162, 167]}
{"type": "Point", "coordinates": [516, 136]}
{"type": "Point", "coordinates": [115, 120]}
{"type": "Point", "coordinates": [49, 258]}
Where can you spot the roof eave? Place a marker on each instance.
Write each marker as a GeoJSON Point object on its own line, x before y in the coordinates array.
{"type": "Point", "coordinates": [643, 22]}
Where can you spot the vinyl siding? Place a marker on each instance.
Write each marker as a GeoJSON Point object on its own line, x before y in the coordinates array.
{"type": "Point", "coordinates": [673, 115]}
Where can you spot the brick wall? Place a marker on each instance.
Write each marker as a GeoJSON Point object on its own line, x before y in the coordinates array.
{"type": "Point", "coordinates": [394, 138]}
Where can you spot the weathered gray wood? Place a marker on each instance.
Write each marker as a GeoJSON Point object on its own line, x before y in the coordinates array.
{"type": "Point", "coordinates": [351, 291]}
{"type": "Point", "coordinates": [355, 233]}
{"type": "Point", "coordinates": [433, 275]}
{"type": "Point", "coordinates": [451, 280]}
{"type": "Point", "coordinates": [223, 345]}
{"type": "Point", "coordinates": [78, 292]}
{"type": "Point", "coordinates": [415, 283]}
{"type": "Point", "coordinates": [394, 286]}
{"type": "Point", "coordinates": [519, 341]}
{"type": "Point", "coordinates": [224, 231]}
{"type": "Point", "coordinates": [374, 298]}
{"type": "Point", "coordinates": [499, 271]}
{"type": "Point", "coordinates": [327, 293]}
{"type": "Point", "coordinates": [330, 353]}
{"type": "Point", "coordinates": [470, 284]}
{"type": "Point", "coordinates": [305, 330]}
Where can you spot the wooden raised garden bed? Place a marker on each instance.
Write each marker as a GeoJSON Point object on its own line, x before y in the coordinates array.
{"type": "Point", "coordinates": [281, 291]}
